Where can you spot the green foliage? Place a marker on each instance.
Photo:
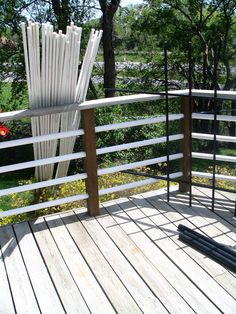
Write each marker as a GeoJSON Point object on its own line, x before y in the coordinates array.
{"type": "Point", "coordinates": [124, 113]}
{"type": "Point", "coordinates": [140, 33]}
{"type": "Point", "coordinates": [15, 200]}
{"type": "Point", "coordinates": [17, 130]}
{"type": "Point", "coordinates": [224, 170]}
{"type": "Point", "coordinates": [66, 190]}
{"type": "Point", "coordinates": [78, 187]}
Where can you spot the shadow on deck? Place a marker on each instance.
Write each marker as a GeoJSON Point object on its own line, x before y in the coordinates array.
{"type": "Point", "coordinates": [127, 260]}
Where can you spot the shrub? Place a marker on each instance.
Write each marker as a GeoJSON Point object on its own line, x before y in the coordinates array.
{"type": "Point", "coordinates": [73, 188]}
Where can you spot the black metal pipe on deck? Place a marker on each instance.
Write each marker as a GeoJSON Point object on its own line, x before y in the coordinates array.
{"type": "Point", "coordinates": [210, 241]}
{"type": "Point", "coordinates": [218, 252]}
{"type": "Point", "coordinates": [210, 246]}
{"type": "Point", "coordinates": [209, 252]}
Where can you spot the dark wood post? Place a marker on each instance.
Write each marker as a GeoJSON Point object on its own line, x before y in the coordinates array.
{"type": "Point", "coordinates": [90, 161]}
{"type": "Point", "coordinates": [185, 163]}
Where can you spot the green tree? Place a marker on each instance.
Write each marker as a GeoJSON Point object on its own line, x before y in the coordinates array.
{"type": "Point", "coordinates": [209, 25]}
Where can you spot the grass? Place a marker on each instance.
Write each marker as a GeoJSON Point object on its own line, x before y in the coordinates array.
{"type": "Point", "coordinates": [6, 201]}
{"type": "Point", "coordinates": [204, 164]}
{"type": "Point", "coordinates": [228, 151]}
{"type": "Point", "coordinates": [78, 187]}
{"type": "Point", "coordinates": [65, 190]}
{"type": "Point", "coordinates": [8, 101]}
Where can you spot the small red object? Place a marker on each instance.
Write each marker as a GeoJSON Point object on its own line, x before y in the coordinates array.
{"type": "Point", "coordinates": [3, 130]}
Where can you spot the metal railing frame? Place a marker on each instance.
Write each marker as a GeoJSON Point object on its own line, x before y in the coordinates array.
{"type": "Point", "coordinates": [90, 151]}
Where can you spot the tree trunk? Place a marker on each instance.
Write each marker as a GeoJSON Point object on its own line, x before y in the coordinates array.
{"type": "Point", "coordinates": [109, 55]}
{"type": "Point", "coordinates": [108, 8]}
{"type": "Point", "coordinates": [61, 11]}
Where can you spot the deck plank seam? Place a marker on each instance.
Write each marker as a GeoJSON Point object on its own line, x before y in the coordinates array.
{"type": "Point", "coordinates": [182, 249]}
{"type": "Point", "coordinates": [68, 268]}
{"type": "Point", "coordinates": [230, 221]}
{"type": "Point", "coordinates": [202, 217]}
{"type": "Point", "coordinates": [95, 276]}
{"type": "Point", "coordinates": [22, 257]}
{"type": "Point", "coordinates": [106, 258]}
{"type": "Point", "coordinates": [139, 275]}
{"type": "Point", "coordinates": [151, 240]}
{"type": "Point", "coordinates": [46, 266]}
{"type": "Point", "coordinates": [213, 277]}
{"type": "Point", "coordinates": [8, 280]}
{"type": "Point", "coordinates": [217, 213]}
{"type": "Point", "coordinates": [218, 220]}
{"type": "Point", "coordinates": [182, 271]}
{"type": "Point", "coordinates": [219, 204]}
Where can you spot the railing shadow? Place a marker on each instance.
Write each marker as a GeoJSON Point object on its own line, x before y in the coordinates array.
{"type": "Point", "coordinates": [155, 213]}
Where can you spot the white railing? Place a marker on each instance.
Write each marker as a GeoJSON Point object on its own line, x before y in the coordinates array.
{"type": "Point", "coordinates": [92, 172]}
{"type": "Point", "coordinates": [220, 138]}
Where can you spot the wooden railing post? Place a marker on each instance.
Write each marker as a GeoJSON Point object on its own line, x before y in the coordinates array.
{"type": "Point", "coordinates": [90, 161]}
{"type": "Point", "coordinates": [185, 163]}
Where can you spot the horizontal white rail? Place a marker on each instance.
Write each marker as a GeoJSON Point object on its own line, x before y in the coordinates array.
{"type": "Point", "coordinates": [221, 94]}
{"type": "Point", "coordinates": [210, 176]}
{"type": "Point", "coordinates": [41, 162]}
{"type": "Point", "coordinates": [43, 184]}
{"type": "Point", "coordinates": [138, 164]}
{"type": "Point", "coordinates": [153, 141]}
{"type": "Point", "coordinates": [129, 124]}
{"type": "Point", "coordinates": [108, 127]}
{"type": "Point", "coordinates": [98, 103]}
{"type": "Point", "coordinates": [128, 99]}
{"type": "Point", "coordinates": [90, 104]}
{"type": "Point", "coordinates": [204, 116]}
{"type": "Point", "coordinates": [30, 208]}
{"type": "Point", "coordinates": [136, 184]}
{"type": "Point", "coordinates": [220, 138]}
{"type": "Point", "coordinates": [210, 157]}
{"type": "Point", "coordinates": [42, 138]}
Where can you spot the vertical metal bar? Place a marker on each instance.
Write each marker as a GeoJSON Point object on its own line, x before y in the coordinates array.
{"type": "Point", "coordinates": [167, 120]}
{"type": "Point", "coordinates": [190, 120]}
{"type": "Point", "coordinates": [214, 128]}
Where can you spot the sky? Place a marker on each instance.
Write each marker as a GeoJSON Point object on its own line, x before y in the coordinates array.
{"type": "Point", "coordinates": [128, 2]}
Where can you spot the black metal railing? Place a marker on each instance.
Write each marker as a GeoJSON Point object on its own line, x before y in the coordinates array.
{"type": "Point", "coordinates": [191, 98]}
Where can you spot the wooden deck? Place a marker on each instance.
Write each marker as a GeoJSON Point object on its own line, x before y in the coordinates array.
{"type": "Point", "coordinates": [127, 260]}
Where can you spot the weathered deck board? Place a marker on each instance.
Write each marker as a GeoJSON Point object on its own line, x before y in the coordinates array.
{"type": "Point", "coordinates": [193, 296]}
{"type": "Point", "coordinates": [172, 218]}
{"type": "Point", "coordinates": [211, 218]}
{"type": "Point", "coordinates": [67, 290]}
{"type": "Point", "coordinates": [127, 260]}
{"type": "Point", "coordinates": [231, 197]}
{"type": "Point", "coordinates": [203, 195]}
{"type": "Point", "coordinates": [6, 302]}
{"type": "Point", "coordinates": [207, 284]}
{"type": "Point", "coordinates": [225, 278]}
{"type": "Point", "coordinates": [43, 287]}
{"type": "Point", "coordinates": [86, 282]}
{"type": "Point", "coordinates": [24, 298]}
{"type": "Point", "coordinates": [151, 275]}
{"type": "Point", "coordinates": [110, 282]}
{"type": "Point", "coordinates": [146, 300]}
{"type": "Point", "coordinates": [224, 201]}
{"type": "Point", "coordinates": [196, 218]}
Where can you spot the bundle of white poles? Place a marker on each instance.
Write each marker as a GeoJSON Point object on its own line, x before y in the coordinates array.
{"type": "Point", "coordinates": [52, 69]}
